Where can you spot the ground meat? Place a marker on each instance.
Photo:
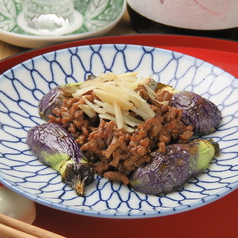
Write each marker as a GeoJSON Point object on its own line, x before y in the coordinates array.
{"type": "Point", "coordinates": [114, 153]}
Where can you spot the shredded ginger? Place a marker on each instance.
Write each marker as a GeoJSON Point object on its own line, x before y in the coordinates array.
{"type": "Point", "coordinates": [116, 97]}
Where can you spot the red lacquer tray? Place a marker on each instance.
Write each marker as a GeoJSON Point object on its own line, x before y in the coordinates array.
{"type": "Point", "coordinates": [215, 220]}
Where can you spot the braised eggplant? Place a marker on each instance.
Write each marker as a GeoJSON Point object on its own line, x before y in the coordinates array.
{"type": "Point", "coordinates": [198, 112]}
{"type": "Point", "coordinates": [171, 170]}
{"type": "Point", "coordinates": [56, 148]}
{"type": "Point", "coordinates": [166, 172]}
{"type": "Point", "coordinates": [53, 99]}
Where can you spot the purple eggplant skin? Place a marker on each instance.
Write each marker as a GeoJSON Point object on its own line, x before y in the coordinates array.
{"type": "Point", "coordinates": [53, 99]}
{"type": "Point", "coordinates": [198, 112]}
{"type": "Point", "coordinates": [56, 148]}
{"type": "Point", "coordinates": [171, 170]}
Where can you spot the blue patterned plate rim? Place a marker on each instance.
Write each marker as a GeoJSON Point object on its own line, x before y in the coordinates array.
{"type": "Point", "coordinates": [23, 85]}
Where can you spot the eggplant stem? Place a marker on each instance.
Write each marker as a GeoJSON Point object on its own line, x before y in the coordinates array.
{"type": "Point", "coordinates": [79, 189]}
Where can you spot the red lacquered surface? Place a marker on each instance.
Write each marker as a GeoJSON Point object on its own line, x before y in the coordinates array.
{"type": "Point", "coordinates": [215, 220]}
{"type": "Point", "coordinates": [218, 52]}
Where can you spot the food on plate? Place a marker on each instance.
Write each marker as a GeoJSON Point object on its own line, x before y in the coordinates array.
{"type": "Point", "coordinates": [54, 98]}
{"type": "Point", "coordinates": [198, 112]}
{"type": "Point", "coordinates": [172, 169]}
{"type": "Point", "coordinates": [55, 147]}
{"type": "Point", "coordinates": [119, 121]}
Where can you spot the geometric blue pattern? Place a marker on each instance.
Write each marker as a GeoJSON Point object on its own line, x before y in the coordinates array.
{"type": "Point", "coordinates": [22, 87]}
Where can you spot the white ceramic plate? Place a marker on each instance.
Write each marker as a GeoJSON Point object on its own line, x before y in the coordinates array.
{"type": "Point", "coordinates": [92, 18]}
{"type": "Point", "coordinates": [22, 87]}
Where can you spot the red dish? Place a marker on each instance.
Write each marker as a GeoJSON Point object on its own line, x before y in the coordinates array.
{"type": "Point", "coordinates": [215, 220]}
{"type": "Point", "coordinates": [221, 53]}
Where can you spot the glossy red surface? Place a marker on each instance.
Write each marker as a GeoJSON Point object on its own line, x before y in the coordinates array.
{"type": "Point", "coordinates": [215, 220]}
{"type": "Point", "coordinates": [218, 52]}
